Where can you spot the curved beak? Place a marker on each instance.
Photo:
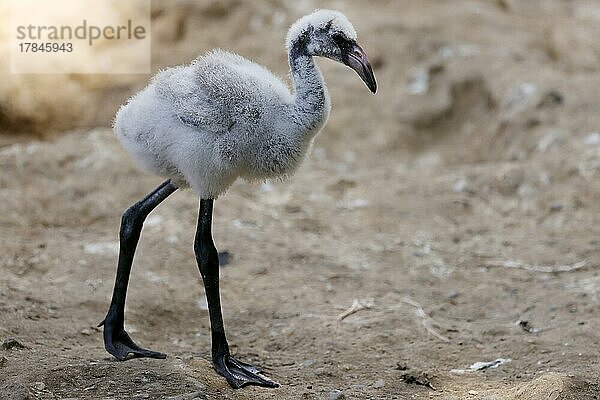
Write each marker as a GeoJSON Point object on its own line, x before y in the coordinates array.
{"type": "Point", "coordinates": [356, 58]}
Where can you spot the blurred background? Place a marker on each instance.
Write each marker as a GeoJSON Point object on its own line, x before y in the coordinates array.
{"type": "Point", "coordinates": [452, 218]}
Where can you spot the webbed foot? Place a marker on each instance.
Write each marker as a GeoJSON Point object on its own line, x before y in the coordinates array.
{"type": "Point", "coordinates": [240, 374]}
{"type": "Point", "coordinates": [118, 343]}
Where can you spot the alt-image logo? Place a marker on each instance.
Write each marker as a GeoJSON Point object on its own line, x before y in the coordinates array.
{"type": "Point", "coordinates": [80, 36]}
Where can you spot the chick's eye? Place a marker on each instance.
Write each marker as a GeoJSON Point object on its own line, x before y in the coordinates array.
{"type": "Point", "coordinates": [339, 39]}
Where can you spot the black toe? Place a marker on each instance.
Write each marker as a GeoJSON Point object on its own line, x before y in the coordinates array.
{"type": "Point", "coordinates": [118, 343]}
{"type": "Point", "coordinates": [240, 374]}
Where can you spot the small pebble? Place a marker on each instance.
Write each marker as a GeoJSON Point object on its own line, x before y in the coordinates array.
{"type": "Point", "coordinates": [11, 343]}
{"type": "Point", "coordinates": [266, 187]}
{"type": "Point", "coordinates": [336, 395]}
{"type": "Point", "coordinates": [202, 303]}
{"type": "Point", "coordinates": [357, 203]}
{"type": "Point", "coordinates": [419, 82]}
{"type": "Point", "coordinates": [104, 248]}
{"type": "Point", "coordinates": [592, 139]}
{"type": "Point", "coordinates": [379, 384]}
{"type": "Point", "coordinates": [153, 220]}
{"type": "Point", "coordinates": [460, 185]}
{"type": "Point", "coordinates": [401, 366]}
{"type": "Point", "coordinates": [308, 363]}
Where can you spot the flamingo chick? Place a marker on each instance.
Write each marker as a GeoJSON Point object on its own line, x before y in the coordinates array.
{"type": "Point", "coordinates": [205, 124]}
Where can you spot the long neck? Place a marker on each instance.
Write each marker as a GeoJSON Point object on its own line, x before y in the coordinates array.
{"type": "Point", "coordinates": [311, 100]}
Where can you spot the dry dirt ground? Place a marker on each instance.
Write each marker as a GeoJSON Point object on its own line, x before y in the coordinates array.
{"type": "Point", "coordinates": [451, 219]}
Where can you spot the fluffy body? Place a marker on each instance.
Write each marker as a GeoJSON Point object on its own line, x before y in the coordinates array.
{"type": "Point", "coordinates": [223, 116]}
{"type": "Point", "coordinates": [206, 124]}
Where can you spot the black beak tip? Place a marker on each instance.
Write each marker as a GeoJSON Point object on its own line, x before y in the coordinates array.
{"type": "Point", "coordinates": [369, 80]}
{"type": "Point", "coordinates": [373, 87]}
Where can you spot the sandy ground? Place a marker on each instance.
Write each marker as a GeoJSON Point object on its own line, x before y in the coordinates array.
{"type": "Point", "coordinates": [456, 213]}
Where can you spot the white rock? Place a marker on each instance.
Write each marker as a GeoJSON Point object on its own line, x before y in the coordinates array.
{"type": "Point", "coordinates": [152, 277]}
{"type": "Point", "coordinates": [172, 239]}
{"type": "Point", "coordinates": [353, 204]}
{"type": "Point", "coordinates": [358, 203]}
{"type": "Point", "coordinates": [460, 185]}
{"type": "Point", "coordinates": [266, 187]}
{"type": "Point", "coordinates": [518, 97]}
{"type": "Point", "coordinates": [102, 248]}
{"type": "Point", "coordinates": [419, 82]}
{"type": "Point", "coordinates": [593, 139]}
{"type": "Point", "coordinates": [379, 384]}
{"type": "Point", "coordinates": [202, 304]}
{"type": "Point", "coordinates": [153, 220]}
